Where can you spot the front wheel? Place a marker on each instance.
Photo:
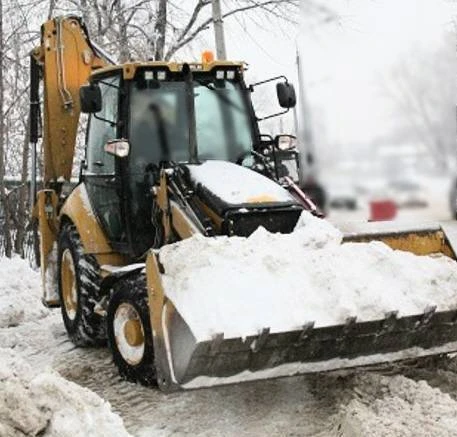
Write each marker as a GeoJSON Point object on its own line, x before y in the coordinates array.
{"type": "Point", "coordinates": [129, 331]}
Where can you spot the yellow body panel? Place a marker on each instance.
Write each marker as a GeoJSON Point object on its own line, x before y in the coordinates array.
{"type": "Point", "coordinates": [419, 243]}
{"type": "Point", "coordinates": [262, 198]}
{"type": "Point", "coordinates": [181, 222]}
{"type": "Point", "coordinates": [46, 212]}
{"type": "Point", "coordinates": [156, 294]}
{"type": "Point", "coordinates": [161, 312]}
{"type": "Point", "coordinates": [77, 208]}
{"type": "Point", "coordinates": [212, 215]}
{"type": "Point", "coordinates": [174, 218]}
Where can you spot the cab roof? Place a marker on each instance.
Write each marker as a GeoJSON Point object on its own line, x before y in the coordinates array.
{"type": "Point", "coordinates": [129, 69]}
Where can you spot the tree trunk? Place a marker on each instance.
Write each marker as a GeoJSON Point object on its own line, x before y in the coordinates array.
{"type": "Point", "coordinates": [52, 5]}
{"type": "Point", "coordinates": [23, 198]}
{"type": "Point", "coordinates": [3, 192]}
{"type": "Point", "coordinates": [124, 54]}
{"type": "Point", "coordinates": [160, 29]}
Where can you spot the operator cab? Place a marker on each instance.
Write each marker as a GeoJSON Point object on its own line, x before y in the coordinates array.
{"type": "Point", "coordinates": [165, 115]}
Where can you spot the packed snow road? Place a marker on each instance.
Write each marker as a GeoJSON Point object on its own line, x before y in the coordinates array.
{"type": "Point", "coordinates": [417, 400]}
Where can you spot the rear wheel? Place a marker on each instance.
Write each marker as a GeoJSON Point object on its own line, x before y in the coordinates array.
{"type": "Point", "coordinates": [79, 288]}
{"type": "Point", "coordinates": [129, 331]}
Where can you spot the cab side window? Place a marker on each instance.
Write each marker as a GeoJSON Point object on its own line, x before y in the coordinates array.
{"type": "Point", "coordinates": [101, 131]}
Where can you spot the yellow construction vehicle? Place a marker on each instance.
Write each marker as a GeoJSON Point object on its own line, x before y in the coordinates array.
{"type": "Point", "coordinates": [150, 125]}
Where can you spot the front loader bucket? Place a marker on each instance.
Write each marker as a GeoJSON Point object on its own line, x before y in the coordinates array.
{"type": "Point", "coordinates": [223, 361]}
{"type": "Point", "coordinates": [184, 362]}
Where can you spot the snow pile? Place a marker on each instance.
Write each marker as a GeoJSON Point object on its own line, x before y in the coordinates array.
{"type": "Point", "coordinates": [19, 293]}
{"type": "Point", "coordinates": [240, 285]}
{"type": "Point", "coordinates": [237, 185]}
{"type": "Point", "coordinates": [34, 401]}
{"type": "Point", "coordinates": [397, 406]}
{"type": "Point", "coordinates": [314, 233]}
{"type": "Point", "coordinates": [45, 404]}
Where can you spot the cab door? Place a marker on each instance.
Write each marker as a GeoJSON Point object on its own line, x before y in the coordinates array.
{"type": "Point", "coordinates": [100, 172]}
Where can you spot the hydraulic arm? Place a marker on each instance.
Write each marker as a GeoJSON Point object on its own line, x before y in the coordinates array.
{"type": "Point", "coordinates": [64, 61]}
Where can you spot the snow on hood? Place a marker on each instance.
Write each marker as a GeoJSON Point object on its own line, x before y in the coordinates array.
{"type": "Point", "coordinates": [239, 286]}
{"type": "Point", "coordinates": [237, 185]}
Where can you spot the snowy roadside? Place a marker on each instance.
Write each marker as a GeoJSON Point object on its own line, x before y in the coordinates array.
{"type": "Point", "coordinates": [396, 406]}
{"type": "Point", "coordinates": [36, 402]}
{"type": "Point", "coordinates": [34, 398]}
{"type": "Point", "coordinates": [19, 294]}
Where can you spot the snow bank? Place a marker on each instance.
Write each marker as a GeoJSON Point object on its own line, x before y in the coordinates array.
{"type": "Point", "coordinates": [19, 293]}
{"type": "Point", "coordinates": [237, 185]}
{"type": "Point", "coordinates": [397, 406]}
{"type": "Point", "coordinates": [45, 404]}
{"type": "Point", "coordinates": [34, 401]}
{"type": "Point", "coordinates": [240, 285]}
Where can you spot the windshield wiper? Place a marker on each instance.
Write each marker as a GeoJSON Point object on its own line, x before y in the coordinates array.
{"type": "Point", "coordinates": [161, 130]}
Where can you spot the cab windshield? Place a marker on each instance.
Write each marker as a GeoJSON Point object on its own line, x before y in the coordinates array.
{"type": "Point", "coordinates": [222, 121]}
{"type": "Point", "coordinates": [159, 121]}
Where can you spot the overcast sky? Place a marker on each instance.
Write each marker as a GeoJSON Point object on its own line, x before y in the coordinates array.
{"type": "Point", "coordinates": [344, 60]}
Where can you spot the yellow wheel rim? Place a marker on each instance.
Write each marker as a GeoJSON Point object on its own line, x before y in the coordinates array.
{"type": "Point", "coordinates": [133, 332]}
{"type": "Point", "coordinates": [68, 284]}
{"type": "Point", "coordinates": [129, 333]}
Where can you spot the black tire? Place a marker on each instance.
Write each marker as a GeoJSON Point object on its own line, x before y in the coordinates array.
{"type": "Point", "coordinates": [132, 292]}
{"type": "Point", "coordinates": [84, 326]}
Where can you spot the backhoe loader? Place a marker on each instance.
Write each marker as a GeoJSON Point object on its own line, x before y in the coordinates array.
{"type": "Point", "coordinates": [151, 126]}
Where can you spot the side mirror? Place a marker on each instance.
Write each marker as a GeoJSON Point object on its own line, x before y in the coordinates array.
{"type": "Point", "coordinates": [286, 95]}
{"type": "Point", "coordinates": [286, 142]}
{"type": "Point", "coordinates": [119, 148]}
{"type": "Point", "coordinates": [91, 98]}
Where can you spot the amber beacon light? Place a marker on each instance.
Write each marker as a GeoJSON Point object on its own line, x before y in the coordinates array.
{"type": "Point", "coordinates": [207, 57]}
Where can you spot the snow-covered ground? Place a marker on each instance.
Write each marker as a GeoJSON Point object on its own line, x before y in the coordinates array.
{"type": "Point", "coordinates": [36, 402]}
{"type": "Point", "coordinates": [34, 398]}
{"type": "Point", "coordinates": [47, 385]}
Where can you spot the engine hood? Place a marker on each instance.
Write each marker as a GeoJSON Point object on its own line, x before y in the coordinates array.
{"type": "Point", "coordinates": [237, 186]}
{"type": "Point", "coordinates": [242, 199]}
